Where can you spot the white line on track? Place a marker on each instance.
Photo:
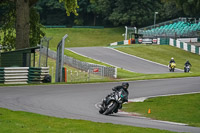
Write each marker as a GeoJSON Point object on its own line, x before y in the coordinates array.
{"type": "Point", "coordinates": [141, 99]}
{"type": "Point", "coordinates": [121, 53]}
{"type": "Point", "coordinates": [92, 58]}
{"type": "Point", "coordinates": [144, 98]}
{"type": "Point", "coordinates": [142, 58]}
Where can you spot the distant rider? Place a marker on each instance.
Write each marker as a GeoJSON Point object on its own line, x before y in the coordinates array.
{"type": "Point", "coordinates": [187, 63]}
{"type": "Point", "coordinates": [171, 61]}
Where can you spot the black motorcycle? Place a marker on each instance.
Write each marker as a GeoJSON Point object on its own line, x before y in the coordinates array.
{"type": "Point", "coordinates": [187, 68]}
{"type": "Point", "coordinates": [113, 102]}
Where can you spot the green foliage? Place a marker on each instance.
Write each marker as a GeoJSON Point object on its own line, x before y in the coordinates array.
{"type": "Point", "coordinates": [134, 13]}
{"type": "Point", "coordinates": [190, 7]}
{"type": "Point", "coordinates": [35, 34]}
{"type": "Point", "coordinates": [53, 13]}
{"type": "Point", "coordinates": [8, 22]}
{"type": "Point", "coordinates": [70, 6]}
{"type": "Point", "coordinates": [8, 27]}
{"type": "Point", "coordinates": [114, 12]}
{"type": "Point", "coordinates": [35, 28]}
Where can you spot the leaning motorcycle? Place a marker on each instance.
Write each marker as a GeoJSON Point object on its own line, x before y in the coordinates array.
{"type": "Point", "coordinates": [187, 68]}
{"type": "Point", "coordinates": [172, 67]}
{"type": "Point", "coordinates": [113, 102]}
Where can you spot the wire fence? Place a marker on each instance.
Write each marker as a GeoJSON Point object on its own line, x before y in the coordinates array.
{"type": "Point", "coordinates": [43, 58]}
{"type": "Point", "coordinates": [90, 68]}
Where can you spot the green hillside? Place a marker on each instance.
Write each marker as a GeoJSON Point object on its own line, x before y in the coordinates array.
{"type": "Point", "coordinates": [84, 37]}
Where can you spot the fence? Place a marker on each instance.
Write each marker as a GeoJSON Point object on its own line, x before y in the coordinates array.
{"type": "Point", "coordinates": [85, 66]}
{"type": "Point", "coordinates": [185, 46]}
{"type": "Point", "coordinates": [43, 58]}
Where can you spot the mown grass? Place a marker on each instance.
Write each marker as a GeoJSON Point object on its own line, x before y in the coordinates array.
{"type": "Point", "coordinates": [126, 75]}
{"type": "Point", "coordinates": [182, 109]}
{"type": "Point", "coordinates": [163, 53]}
{"type": "Point", "coordinates": [84, 37]}
{"type": "Point", "coordinates": [24, 122]}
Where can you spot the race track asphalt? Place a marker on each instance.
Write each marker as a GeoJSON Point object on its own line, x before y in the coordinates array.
{"type": "Point", "coordinates": [77, 101]}
{"type": "Point", "coordinates": [122, 60]}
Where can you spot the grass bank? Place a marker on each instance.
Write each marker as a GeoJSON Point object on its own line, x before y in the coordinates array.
{"type": "Point", "coordinates": [23, 122]}
{"type": "Point", "coordinates": [182, 109]}
{"type": "Point", "coordinates": [163, 53]}
{"type": "Point", "coordinates": [84, 37]}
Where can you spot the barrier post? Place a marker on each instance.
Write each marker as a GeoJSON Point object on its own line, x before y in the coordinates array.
{"type": "Point", "coordinates": [64, 73]}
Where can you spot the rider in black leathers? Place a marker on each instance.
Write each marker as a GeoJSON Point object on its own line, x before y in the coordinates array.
{"type": "Point", "coordinates": [124, 86]}
{"type": "Point", "coordinates": [187, 63]}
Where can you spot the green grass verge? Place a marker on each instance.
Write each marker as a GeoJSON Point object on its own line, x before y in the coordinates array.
{"type": "Point", "coordinates": [163, 53]}
{"type": "Point", "coordinates": [182, 109]}
{"type": "Point", "coordinates": [23, 122]}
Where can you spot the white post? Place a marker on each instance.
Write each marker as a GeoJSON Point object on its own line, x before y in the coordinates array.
{"type": "Point", "coordinates": [155, 19]}
{"type": "Point", "coordinates": [135, 29]}
{"type": "Point", "coordinates": [126, 32]}
{"type": "Point", "coordinates": [115, 75]}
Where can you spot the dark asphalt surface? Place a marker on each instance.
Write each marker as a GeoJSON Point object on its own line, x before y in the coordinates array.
{"type": "Point", "coordinates": [121, 60]}
{"type": "Point", "coordinates": [78, 101]}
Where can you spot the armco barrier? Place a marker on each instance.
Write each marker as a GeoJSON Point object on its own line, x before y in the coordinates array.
{"type": "Point", "coordinates": [14, 75]}
{"type": "Point", "coordinates": [22, 75]}
{"type": "Point", "coordinates": [36, 74]}
{"type": "Point", "coordinates": [185, 46]}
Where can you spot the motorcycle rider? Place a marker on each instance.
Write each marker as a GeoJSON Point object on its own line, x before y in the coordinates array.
{"type": "Point", "coordinates": [187, 63]}
{"type": "Point", "coordinates": [171, 61]}
{"type": "Point", "coordinates": [124, 86]}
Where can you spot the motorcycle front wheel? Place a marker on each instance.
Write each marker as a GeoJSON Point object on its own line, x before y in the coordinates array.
{"type": "Point", "coordinates": [112, 106]}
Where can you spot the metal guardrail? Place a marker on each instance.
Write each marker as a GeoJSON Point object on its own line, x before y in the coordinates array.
{"type": "Point", "coordinates": [37, 74]}
{"type": "Point", "coordinates": [14, 75]}
{"type": "Point", "coordinates": [22, 75]}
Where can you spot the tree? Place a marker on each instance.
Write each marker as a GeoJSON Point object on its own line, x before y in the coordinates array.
{"type": "Point", "coordinates": [23, 18]}
{"type": "Point", "coordinates": [128, 12]}
{"type": "Point", "coordinates": [190, 7]}
{"type": "Point", "coordinates": [52, 12]}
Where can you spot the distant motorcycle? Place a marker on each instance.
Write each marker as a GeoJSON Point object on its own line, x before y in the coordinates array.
{"type": "Point", "coordinates": [172, 67]}
{"type": "Point", "coordinates": [187, 68]}
{"type": "Point", "coordinates": [113, 102]}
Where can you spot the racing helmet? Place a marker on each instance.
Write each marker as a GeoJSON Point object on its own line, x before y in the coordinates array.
{"type": "Point", "coordinates": [172, 58]}
{"type": "Point", "coordinates": [125, 85]}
